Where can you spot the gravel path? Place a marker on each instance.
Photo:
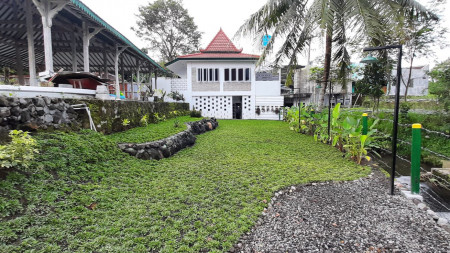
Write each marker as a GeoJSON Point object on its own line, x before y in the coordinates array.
{"type": "Point", "coordinates": [355, 216]}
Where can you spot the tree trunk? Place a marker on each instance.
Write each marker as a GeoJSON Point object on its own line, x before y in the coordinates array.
{"type": "Point", "coordinates": [409, 78]}
{"type": "Point", "coordinates": [326, 67]}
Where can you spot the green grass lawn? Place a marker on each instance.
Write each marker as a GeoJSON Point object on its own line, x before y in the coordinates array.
{"type": "Point", "coordinates": [152, 132]}
{"type": "Point", "coordinates": [202, 199]}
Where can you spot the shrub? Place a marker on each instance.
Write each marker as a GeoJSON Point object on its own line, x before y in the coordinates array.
{"type": "Point", "coordinates": [20, 152]}
{"type": "Point", "coordinates": [144, 120]}
{"type": "Point", "coordinates": [196, 114]}
{"type": "Point", "coordinates": [177, 123]}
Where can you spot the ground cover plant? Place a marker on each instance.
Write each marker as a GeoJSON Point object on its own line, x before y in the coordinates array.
{"type": "Point", "coordinates": [152, 132]}
{"type": "Point", "coordinates": [87, 196]}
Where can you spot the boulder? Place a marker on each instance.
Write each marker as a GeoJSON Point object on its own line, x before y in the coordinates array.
{"type": "Point", "coordinates": [4, 112]}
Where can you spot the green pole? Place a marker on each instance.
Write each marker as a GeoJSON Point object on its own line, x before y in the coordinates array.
{"type": "Point", "coordinates": [415, 158]}
{"type": "Point", "coordinates": [312, 112]}
{"type": "Point", "coordinates": [364, 123]}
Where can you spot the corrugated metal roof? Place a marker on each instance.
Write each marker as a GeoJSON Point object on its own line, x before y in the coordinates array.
{"type": "Point", "coordinates": [66, 26]}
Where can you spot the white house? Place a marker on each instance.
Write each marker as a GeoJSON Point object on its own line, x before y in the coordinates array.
{"type": "Point", "coordinates": [221, 81]}
{"type": "Point", "coordinates": [419, 81]}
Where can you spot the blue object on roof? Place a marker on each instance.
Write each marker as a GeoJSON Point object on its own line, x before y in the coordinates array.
{"type": "Point", "coordinates": [266, 39]}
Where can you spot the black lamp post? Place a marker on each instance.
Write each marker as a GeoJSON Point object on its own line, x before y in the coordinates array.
{"type": "Point", "coordinates": [299, 109]}
{"type": "Point", "coordinates": [370, 59]}
{"type": "Point", "coordinates": [329, 104]}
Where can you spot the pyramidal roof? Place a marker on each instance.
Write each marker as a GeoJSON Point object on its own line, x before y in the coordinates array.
{"type": "Point", "coordinates": [220, 48]}
{"type": "Point", "coordinates": [221, 44]}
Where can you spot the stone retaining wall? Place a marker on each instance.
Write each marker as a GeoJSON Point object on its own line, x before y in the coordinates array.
{"type": "Point", "coordinates": [54, 113]}
{"type": "Point", "coordinates": [169, 146]}
{"type": "Point", "coordinates": [36, 113]}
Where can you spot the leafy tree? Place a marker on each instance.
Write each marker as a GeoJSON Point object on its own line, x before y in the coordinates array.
{"type": "Point", "coordinates": [344, 22]}
{"type": "Point", "coordinates": [440, 85]}
{"type": "Point", "coordinates": [374, 78]}
{"type": "Point", "coordinates": [168, 28]}
{"type": "Point", "coordinates": [417, 36]}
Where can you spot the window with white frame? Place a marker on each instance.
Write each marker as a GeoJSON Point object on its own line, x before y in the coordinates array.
{"type": "Point", "coordinates": [236, 74]}
{"type": "Point", "coordinates": [207, 74]}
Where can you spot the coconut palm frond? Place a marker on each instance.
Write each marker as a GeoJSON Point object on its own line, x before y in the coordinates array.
{"type": "Point", "coordinates": [267, 17]}
{"type": "Point", "coordinates": [415, 9]}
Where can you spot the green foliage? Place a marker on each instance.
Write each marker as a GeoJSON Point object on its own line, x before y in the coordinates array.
{"type": "Point", "coordinates": [19, 153]}
{"type": "Point", "coordinates": [176, 123]}
{"type": "Point", "coordinates": [144, 120]}
{"type": "Point", "coordinates": [168, 28]}
{"type": "Point", "coordinates": [125, 122]}
{"type": "Point", "coordinates": [374, 78]}
{"type": "Point", "coordinates": [440, 86]}
{"type": "Point", "coordinates": [152, 132]}
{"type": "Point", "coordinates": [157, 118]}
{"type": "Point", "coordinates": [173, 205]}
{"type": "Point", "coordinates": [196, 114]}
{"type": "Point", "coordinates": [175, 95]}
{"type": "Point", "coordinates": [345, 131]}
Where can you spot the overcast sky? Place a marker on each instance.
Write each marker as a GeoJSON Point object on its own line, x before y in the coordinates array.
{"type": "Point", "coordinates": [210, 16]}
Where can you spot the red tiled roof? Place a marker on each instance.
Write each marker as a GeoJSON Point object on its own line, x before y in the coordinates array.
{"type": "Point", "coordinates": [219, 55]}
{"type": "Point", "coordinates": [221, 43]}
{"type": "Point", "coordinates": [221, 47]}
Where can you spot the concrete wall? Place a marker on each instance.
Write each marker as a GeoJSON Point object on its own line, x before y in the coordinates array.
{"type": "Point", "coordinates": [419, 78]}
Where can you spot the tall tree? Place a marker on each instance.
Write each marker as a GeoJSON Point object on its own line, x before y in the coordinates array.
{"type": "Point", "coordinates": [344, 21]}
{"type": "Point", "coordinates": [440, 84]}
{"type": "Point", "coordinates": [417, 36]}
{"type": "Point", "coordinates": [168, 28]}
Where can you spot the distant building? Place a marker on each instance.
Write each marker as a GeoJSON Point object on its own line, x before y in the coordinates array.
{"type": "Point", "coordinates": [307, 91]}
{"type": "Point", "coordinates": [419, 81]}
{"type": "Point", "coordinates": [222, 82]}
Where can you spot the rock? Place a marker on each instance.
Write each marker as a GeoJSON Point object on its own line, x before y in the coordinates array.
{"type": "Point", "coordinates": [13, 101]}
{"type": "Point", "coordinates": [144, 155]}
{"type": "Point", "coordinates": [16, 111]}
{"type": "Point", "coordinates": [25, 116]}
{"type": "Point", "coordinates": [131, 151]}
{"type": "Point", "coordinates": [57, 117]}
{"type": "Point", "coordinates": [38, 102]}
{"type": "Point", "coordinates": [24, 102]}
{"type": "Point", "coordinates": [422, 206]}
{"type": "Point", "coordinates": [3, 101]}
{"type": "Point", "coordinates": [442, 221]}
{"type": "Point", "coordinates": [40, 111]}
{"type": "Point", "coordinates": [4, 112]}
{"type": "Point", "coordinates": [48, 118]}
{"type": "Point", "coordinates": [47, 100]}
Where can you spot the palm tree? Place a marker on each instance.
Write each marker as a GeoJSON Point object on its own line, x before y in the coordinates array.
{"type": "Point", "coordinates": [346, 22]}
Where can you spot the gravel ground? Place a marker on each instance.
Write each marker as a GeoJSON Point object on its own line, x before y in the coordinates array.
{"type": "Point", "coordinates": [355, 216]}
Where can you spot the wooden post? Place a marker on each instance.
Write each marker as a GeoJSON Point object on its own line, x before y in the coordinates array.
{"type": "Point", "coordinates": [138, 76]}
{"type": "Point", "coordinates": [105, 62]}
{"type": "Point", "coordinates": [19, 65]}
{"type": "Point", "coordinates": [30, 42]}
{"type": "Point", "coordinates": [87, 36]}
{"type": "Point", "coordinates": [47, 14]}
{"type": "Point", "coordinates": [73, 45]}
{"type": "Point", "coordinates": [116, 68]}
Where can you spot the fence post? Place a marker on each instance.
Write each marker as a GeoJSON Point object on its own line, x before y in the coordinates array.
{"type": "Point", "coordinates": [415, 158]}
{"type": "Point", "coordinates": [364, 123]}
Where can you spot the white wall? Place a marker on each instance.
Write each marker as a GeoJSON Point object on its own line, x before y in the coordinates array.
{"type": "Point", "coordinates": [268, 88]}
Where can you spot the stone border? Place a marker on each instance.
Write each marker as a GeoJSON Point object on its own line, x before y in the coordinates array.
{"type": "Point", "coordinates": [169, 146]}
{"type": "Point", "coordinates": [418, 200]}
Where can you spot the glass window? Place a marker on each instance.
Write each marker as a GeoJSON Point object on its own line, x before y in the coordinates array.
{"type": "Point", "coordinates": [216, 76]}
{"type": "Point", "coordinates": [227, 74]}
{"type": "Point", "coordinates": [211, 77]}
{"type": "Point", "coordinates": [199, 75]}
{"type": "Point", "coordinates": [240, 74]}
{"type": "Point", "coordinates": [247, 74]}
{"type": "Point", "coordinates": [205, 74]}
{"type": "Point", "coordinates": [233, 74]}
